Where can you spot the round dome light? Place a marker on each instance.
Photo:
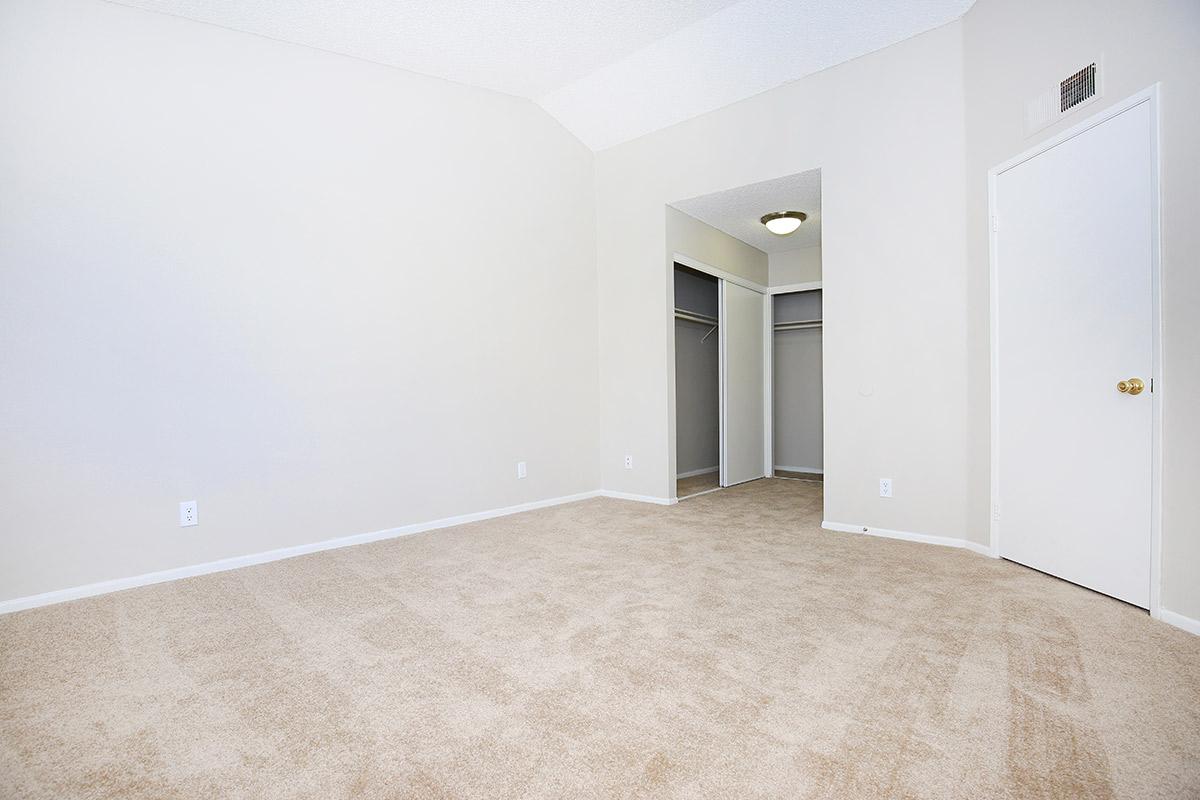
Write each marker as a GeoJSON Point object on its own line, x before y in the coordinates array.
{"type": "Point", "coordinates": [781, 223]}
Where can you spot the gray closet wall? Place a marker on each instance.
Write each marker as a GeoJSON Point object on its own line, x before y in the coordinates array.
{"type": "Point", "coordinates": [798, 416]}
{"type": "Point", "coordinates": [697, 380]}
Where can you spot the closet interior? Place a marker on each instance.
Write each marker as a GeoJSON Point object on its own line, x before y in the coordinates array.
{"type": "Point", "coordinates": [697, 383]}
{"type": "Point", "coordinates": [798, 446]}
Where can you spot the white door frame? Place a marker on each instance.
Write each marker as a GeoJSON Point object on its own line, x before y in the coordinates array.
{"type": "Point", "coordinates": [1149, 95]}
{"type": "Point", "coordinates": [722, 400]}
{"type": "Point", "coordinates": [769, 384]}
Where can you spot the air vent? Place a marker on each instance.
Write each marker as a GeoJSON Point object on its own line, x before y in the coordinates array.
{"type": "Point", "coordinates": [1064, 97]}
{"type": "Point", "coordinates": [1077, 88]}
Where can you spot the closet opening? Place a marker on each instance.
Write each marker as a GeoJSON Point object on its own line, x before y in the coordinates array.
{"type": "Point", "coordinates": [797, 413]}
{"type": "Point", "coordinates": [746, 394]}
{"type": "Point", "coordinates": [697, 383]}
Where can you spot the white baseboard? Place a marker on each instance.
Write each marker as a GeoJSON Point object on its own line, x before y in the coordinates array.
{"type": "Point", "coordinates": [695, 472]}
{"type": "Point", "coordinates": [982, 549]}
{"type": "Point", "coordinates": [640, 498]}
{"type": "Point", "coordinates": [118, 584]}
{"type": "Point", "coordinates": [1180, 621]}
{"type": "Point", "coordinates": [908, 536]}
{"type": "Point", "coordinates": [812, 470]}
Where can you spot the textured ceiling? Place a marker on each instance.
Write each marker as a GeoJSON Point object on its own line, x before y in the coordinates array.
{"type": "Point", "coordinates": [738, 211]}
{"type": "Point", "coordinates": [609, 70]}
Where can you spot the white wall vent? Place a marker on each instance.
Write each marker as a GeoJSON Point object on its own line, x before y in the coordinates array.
{"type": "Point", "coordinates": [1071, 93]}
{"type": "Point", "coordinates": [1076, 89]}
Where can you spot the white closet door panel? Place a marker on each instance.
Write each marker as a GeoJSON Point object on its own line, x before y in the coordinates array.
{"type": "Point", "coordinates": [1073, 281]}
{"type": "Point", "coordinates": [743, 429]}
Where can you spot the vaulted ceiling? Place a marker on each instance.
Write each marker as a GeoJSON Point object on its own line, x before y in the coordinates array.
{"type": "Point", "coordinates": [609, 70]}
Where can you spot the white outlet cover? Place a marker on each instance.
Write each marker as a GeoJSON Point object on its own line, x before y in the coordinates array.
{"type": "Point", "coordinates": [521, 471]}
{"type": "Point", "coordinates": [189, 514]}
{"type": "Point", "coordinates": [885, 487]}
{"type": "Point", "coordinates": [628, 462]}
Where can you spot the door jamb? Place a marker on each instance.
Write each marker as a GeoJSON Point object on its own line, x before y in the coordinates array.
{"type": "Point", "coordinates": [1148, 95]}
{"type": "Point", "coordinates": [769, 385]}
{"type": "Point", "coordinates": [722, 389]}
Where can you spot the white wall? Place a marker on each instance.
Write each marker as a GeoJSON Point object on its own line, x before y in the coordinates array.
{"type": "Point", "coordinates": [802, 265]}
{"type": "Point", "coordinates": [1012, 51]}
{"type": "Point", "coordinates": [234, 270]}
{"type": "Point", "coordinates": [893, 252]}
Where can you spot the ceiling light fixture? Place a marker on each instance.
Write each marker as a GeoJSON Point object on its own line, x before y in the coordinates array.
{"type": "Point", "coordinates": [781, 223]}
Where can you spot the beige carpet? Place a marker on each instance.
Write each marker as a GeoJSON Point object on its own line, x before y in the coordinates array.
{"type": "Point", "coordinates": [725, 647]}
{"type": "Point", "coordinates": [685, 487]}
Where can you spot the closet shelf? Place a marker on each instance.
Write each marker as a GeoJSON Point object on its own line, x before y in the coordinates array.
{"type": "Point", "coordinates": [798, 325]}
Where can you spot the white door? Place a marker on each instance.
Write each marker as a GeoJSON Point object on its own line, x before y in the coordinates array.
{"type": "Point", "coordinates": [742, 452]}
{"type": "Point", "coordinates": [1073, 284]}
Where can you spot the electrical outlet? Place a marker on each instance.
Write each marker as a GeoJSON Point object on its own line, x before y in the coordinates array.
{"type": "Point", "coordinates": [521, 469]}
{"type": "Point", "coordinates": [628, 462]}
{"type": "Point", "coordinates": [885, 487]}
{"type": "Point", "coordinates": [188, 514]}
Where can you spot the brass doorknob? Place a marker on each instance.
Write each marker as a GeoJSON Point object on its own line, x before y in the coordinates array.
{"type": "Point", "coordinates": [1131, 386]}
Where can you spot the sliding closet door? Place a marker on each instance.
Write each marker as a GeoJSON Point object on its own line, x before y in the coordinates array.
{"type": "Point", "coordinates": [742, 429]}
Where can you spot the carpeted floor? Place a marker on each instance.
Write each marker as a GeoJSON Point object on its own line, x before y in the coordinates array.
{"type": "Point", "coordinates": [725, 647]}
{"type": "Point", "coordinates": [694, 484]}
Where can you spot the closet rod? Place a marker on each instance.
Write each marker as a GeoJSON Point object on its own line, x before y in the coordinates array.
{"type": "Point", "coordinates": [693, 317]}
{"type": "Point", "coordinates": [799, 325]}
